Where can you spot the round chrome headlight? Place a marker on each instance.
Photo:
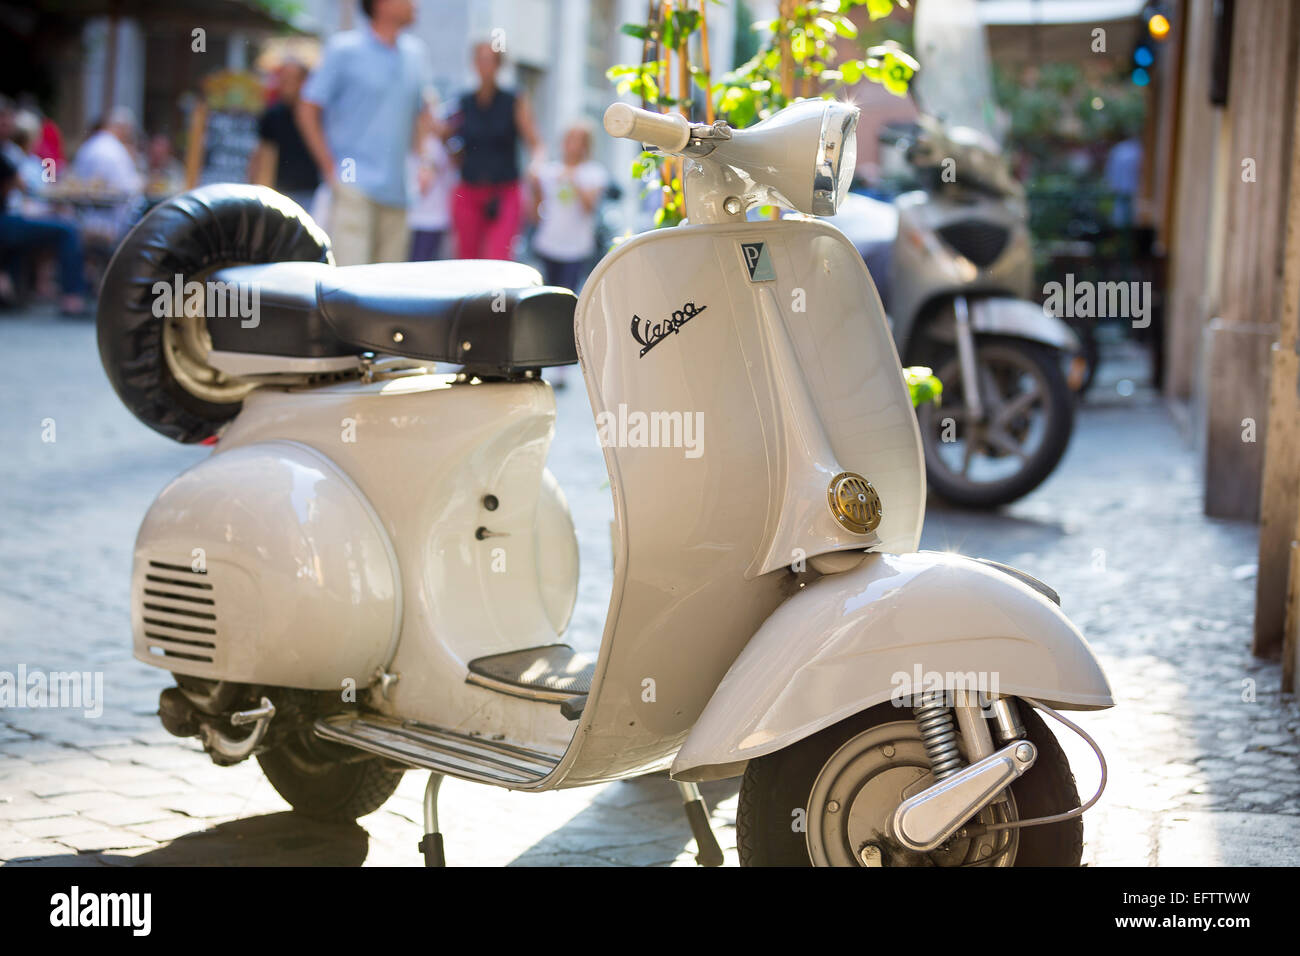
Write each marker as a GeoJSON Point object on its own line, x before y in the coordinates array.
{"type": "Point", "coordinates": [837, 157]}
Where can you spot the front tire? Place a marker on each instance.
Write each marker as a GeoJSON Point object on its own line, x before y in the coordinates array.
{"type": "Point", "coordinates": [778, 792]}
{"type": "Point", "coordinates": [312, 778]}
{"type": "Point", "coordinates": [1027, 420]}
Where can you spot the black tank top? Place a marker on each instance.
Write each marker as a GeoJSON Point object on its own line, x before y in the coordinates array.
{"type": "Point", "coordinates": [491, 139]}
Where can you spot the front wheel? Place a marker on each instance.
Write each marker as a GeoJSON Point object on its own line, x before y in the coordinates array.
{"type": "Point", "coordinates": [1024, 425]}
{"type": "Point", "coordinates": [825, 801]}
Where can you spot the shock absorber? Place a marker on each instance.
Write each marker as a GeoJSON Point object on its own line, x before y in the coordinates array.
{"type": "Point", "coordinates": [934, 720]}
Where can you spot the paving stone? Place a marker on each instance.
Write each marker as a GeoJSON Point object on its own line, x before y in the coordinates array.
{"type": "Point", "coordinates": [30, 850]}
{"type": "Point", "coordinates": [31, 808]}
{"type": "Point", "coordinates": [103, 838]}
{"type": "Point", "coordinates": [49, 785]}
{"type": "Point", "coordinates": [1262, 797]}
{"type": "Point", "coordinates": [1229, 839]}
{"type": "Point", "coordinates": [168, 828]}
{"type": "Point", "coordinates": [126, 812]}
{"type": "Point", "coordinates": [53, 827]}
{"type": "Point", "coordinates": [205, 805]}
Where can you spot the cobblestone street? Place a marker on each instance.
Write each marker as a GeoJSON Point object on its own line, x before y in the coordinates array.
{"type": "Point", "coordinates": [1203, 752]}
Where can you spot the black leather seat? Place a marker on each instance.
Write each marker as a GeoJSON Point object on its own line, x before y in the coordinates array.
{"type": "Point", "coordinates": [487, 315]}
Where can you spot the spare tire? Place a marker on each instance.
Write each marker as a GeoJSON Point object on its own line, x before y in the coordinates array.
{"type": "Point", "coordinates": [157, 363]}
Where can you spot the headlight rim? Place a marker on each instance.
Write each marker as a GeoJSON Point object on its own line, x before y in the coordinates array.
{"type": "Point", "coordinates": [839, 126]}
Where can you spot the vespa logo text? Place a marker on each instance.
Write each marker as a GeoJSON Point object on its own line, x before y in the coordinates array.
{"type": "Point", "coordinates": [655, 332]}
{"type": "Point", "coordinates": [652, 430]}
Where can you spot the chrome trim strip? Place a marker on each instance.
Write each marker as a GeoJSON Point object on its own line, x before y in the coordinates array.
{"type": "Point", "coordinates": [444, 751]}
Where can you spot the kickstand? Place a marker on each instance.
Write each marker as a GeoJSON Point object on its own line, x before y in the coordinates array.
{"type": "Point", "coordinates": [698, 815]}
{"type": "Point", "coordinates": [431, 845]}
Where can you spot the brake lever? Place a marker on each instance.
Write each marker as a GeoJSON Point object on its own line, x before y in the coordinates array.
{"type": "Point", "coordinates": [705, 139]}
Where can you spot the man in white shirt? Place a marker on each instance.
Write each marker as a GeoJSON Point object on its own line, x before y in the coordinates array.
{"type": "Point", "coordinates": [105, 160]}
{"type": "Point", "coordinates": [105, 157]}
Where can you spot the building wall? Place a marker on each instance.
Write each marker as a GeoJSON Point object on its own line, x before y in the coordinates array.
{"type": "Point", "coordinates": [128, 69]}
{"type": "Point", "coordinates": [1254, 185]}
{"type": "Point", "coordinates": [1191, 239]}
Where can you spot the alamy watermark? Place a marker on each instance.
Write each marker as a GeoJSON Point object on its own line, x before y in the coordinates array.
{"type": "Point", "coordinates": [77, 690]}
{"type": "Point", "coordinates": [946, 687]}
{"type": "Point", "coordinates": [1099, 300]}
{"type": "Point", "coordinates": [635, 429]}
{"type": "Point", "coordinates": [213, 299]}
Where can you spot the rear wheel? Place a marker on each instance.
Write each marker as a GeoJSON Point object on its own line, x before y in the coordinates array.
{"type": "Point", "coordinates": [326, 782]}
{"type": "Point", "coordinates": [824, 801]}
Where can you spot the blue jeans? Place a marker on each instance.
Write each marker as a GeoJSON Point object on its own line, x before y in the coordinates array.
{"type": "Point", "coordinates": [426, 245]}
{"type": "Point", "coordinates": [566, 275]}
{"type": "Point", "coordinates": [21, 235]}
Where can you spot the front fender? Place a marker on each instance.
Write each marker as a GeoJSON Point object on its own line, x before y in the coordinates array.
{"type": "Point", "coordinates": [1003, 315]}
{"type": "Point", "coordinates": [852, 640]}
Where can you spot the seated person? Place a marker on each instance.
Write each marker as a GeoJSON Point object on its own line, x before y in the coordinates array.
{"type": "Point", "coordinates": [106, 162]}
{"type": "Point", "coordinates": [20, 235]}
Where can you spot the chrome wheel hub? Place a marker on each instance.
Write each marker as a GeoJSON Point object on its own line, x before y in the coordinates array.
{"type": "Point", "coordinates": [862, 784]}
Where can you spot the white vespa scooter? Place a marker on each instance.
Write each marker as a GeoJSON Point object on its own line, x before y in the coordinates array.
{"type": "Point", "coordinates": [374, 570]}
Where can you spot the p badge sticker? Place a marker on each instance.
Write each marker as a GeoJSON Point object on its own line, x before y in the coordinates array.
{"type": "Point", "coordinates": [757, 261]}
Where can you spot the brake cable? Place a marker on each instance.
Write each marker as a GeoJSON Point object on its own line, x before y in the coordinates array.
{"type": "Point", "coordinates": [1058, 817]}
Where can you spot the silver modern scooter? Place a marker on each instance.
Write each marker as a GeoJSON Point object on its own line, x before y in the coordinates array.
{"type": "Point", "coordinates": [954, 267]}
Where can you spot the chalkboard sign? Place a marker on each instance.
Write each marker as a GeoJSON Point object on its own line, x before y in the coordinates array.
{"type": "Point", "coordinates": [229, 140]}
{"type": "Point", "coordinates": [223, 129]}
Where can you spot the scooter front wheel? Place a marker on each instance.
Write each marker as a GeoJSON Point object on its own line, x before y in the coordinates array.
{"type": "Point", "coordinates": [321, 783]}
{"type": "Point", "coordinates": [1019, 436]}
{"type": "Point", "coordinates": [787, 816]}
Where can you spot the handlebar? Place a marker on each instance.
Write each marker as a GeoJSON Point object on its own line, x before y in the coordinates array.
{"type": "Point", "coordinates": [668, 131]}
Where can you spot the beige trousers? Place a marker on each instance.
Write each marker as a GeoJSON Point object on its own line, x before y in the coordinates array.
{"type": "Point", "coordinates": [362, 230]}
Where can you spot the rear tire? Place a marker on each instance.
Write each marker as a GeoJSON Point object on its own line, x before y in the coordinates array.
{"type": "Point", "coordinates": [191, 235]}
{"type": "Point", "coordinates": [776, 789]}
{"type": "Point", "coordinates": [327, 789]}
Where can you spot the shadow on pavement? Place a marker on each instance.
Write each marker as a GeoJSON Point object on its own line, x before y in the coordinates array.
{"type": "Point", "coordinates": [602, 834]}
{"type": "Point", "coordinates": [275, 839]}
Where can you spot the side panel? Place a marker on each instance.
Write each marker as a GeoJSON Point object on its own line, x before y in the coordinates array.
{"type": "Point", "coordinates": [788, 377]}
{"type": "Point", "coordinates": [426, 453]}
{"type": "Point", "coordinates": [850, 641]}
{"type": "Point", "coordinates": [265, 565]}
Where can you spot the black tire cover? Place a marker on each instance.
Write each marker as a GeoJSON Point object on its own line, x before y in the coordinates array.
{"type": "Point", "coordinates": [190, 235]}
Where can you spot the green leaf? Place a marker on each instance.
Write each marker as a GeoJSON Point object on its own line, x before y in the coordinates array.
{"type": "Point", "coordinates": [922, 385]}
{"type": "Point", "coordinates": [845, 27]}
{"type": "Point", "coordinates": [686, 22]}
{"type": "Point", "coordinates": [635, 30]}
{"type": "Point", "coordinates": [879, 9]}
